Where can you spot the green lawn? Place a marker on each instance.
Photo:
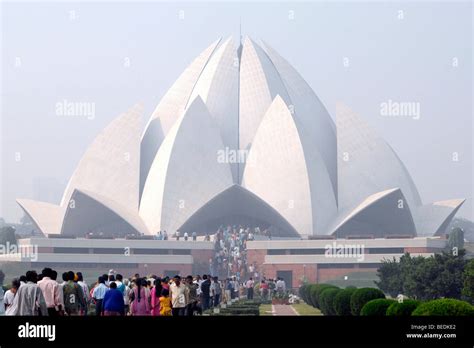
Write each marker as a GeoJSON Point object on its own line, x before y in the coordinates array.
{"type": "Point", "coordinates": [305, 309]}
{"type": "Point", "coordinates": [265, 309]}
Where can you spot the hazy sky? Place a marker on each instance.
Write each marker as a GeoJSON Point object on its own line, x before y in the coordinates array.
{"type": "Point", "coordinates": [78, 52]}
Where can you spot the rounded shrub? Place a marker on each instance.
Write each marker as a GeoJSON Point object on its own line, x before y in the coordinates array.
{"type": "Point", "coordinates": [326, 300]}
{"type": "Point", "coordinates": [342, 301]}
{"type": "Point", "coordinates": [377, 307]}
{"type": "Point", "coordinates": [402, 309]}
{"type": "Point", "coordinates": [316, 291]}
{"type": "Point", "coordinates": [361, 296]}
{"type": "Point", "coordinates": [309, 294]}
{"type": "Point", "coordinates": [303, 292]}
{"type": "Point", "coordinates": [445, 306]}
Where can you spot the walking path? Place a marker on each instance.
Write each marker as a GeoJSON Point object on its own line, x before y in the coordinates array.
{"type": "Point", "coordinates": [283, 310]}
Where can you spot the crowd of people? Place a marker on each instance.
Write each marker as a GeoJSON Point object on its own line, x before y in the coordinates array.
{"type": "Point", "coordinates": [35, 294]}
{"type": "Point", "coordinates": [230, 277]}
{"type": "Point", "coordinates": [230, 257]}
{"type": "Point", "coordinates": [112, 295]}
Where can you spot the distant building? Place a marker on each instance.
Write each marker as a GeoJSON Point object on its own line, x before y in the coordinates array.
{"type": "Point", "coordinates": [126, 256]}
{"type": "Point", "coordinates": [325, 260]}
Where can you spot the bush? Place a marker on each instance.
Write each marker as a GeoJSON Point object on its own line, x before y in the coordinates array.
{"type": "Point", "coordinates": [326, 300]}
{"type": "Point", "coordinates": [303, 292]}
{"type": "Point", "coordinates": [342, 301]}
{"type": "Point", "coordinates": [363, 295]}
{"type": "Point", "coordinates": [315, 292]}
{"type": "Point", "coordinates": [309, 293]}
{"type": "Point", "coordinates": [376, 307]}
{"type": "Point", "coordinates": [233, 311]}
{"type": "Point", "coordinates": [445, 306]}
{"type": "Point", "coordinates": [253, 302]}
{"type": "Point", "coordinates": [402, 309]}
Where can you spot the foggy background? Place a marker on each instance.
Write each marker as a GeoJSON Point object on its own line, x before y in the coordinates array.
{"type": "Point", "coordinates": [117, 54]}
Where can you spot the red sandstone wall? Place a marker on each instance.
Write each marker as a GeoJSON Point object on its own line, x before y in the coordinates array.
{"type": "Point", "coordinates": [418, 250]}
{"type": "Point", "coordinates": [256, 257]}
{"type": "Point", "coordinates": [202, 255]}
{"type": "Point", "coordinates": [270, 271]}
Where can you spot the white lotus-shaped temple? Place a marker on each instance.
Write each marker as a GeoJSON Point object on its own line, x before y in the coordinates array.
{"type": "Point", "coordinates": [241, 139]}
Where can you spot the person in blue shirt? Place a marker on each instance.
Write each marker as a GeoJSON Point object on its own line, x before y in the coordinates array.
{"type": "Point", "coordinates": [113, 301]}
{"type": "Point", "coordinates": [98, 295]}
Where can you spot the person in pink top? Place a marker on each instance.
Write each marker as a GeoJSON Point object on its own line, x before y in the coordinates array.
{"type": "Point", "coordinates": [50, 289]}
{"type": "Point", "coordinates": [165, 283]}
{"type": "Point", "coordinates": [139, 302]}
{"type": "Point", "coordinates": [155, 297]}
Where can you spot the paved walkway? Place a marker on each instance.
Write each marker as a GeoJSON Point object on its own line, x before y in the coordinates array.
{"type": "Point", "coordinates": [283, 310]}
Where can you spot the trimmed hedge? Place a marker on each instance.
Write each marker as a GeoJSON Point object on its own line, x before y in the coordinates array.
{"type": "Point", "coordinates": [342, 301]}
{"type": "Point", "coordinates": [377, 307]}
{"type": "Point", "coordinates": [240, 311]}
{"type": "Point", "coordinates": [310, 292]}
{"type": "Point", "coordinates": [363, 295]}
{"type": "Point", "coordinates": [445, 306]}
{"type": "Point", "coordinates": [303, 292]}
{"type": "Point", "coordinates": [326, 300]}
{"type": "Point", "coordinates": [315, 292]}
{"type": "Point", "coordinates": [402, 309]}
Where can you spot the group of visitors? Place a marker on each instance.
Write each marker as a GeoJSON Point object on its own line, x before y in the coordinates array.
{"type": "Point", "coordinates": [231, 253]}
{"type": "Point", "coordinates": [112, 295]}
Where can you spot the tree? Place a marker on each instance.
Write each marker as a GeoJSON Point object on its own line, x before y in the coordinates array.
{"type": "Point", "coordinates": [456, 239]}
{"type": "Point", "coordinates": [7, 235]}
{"type": "Point", "coordinates": [468, 288]}
{"type": "Point", "coordinates": [423, 278]}
{"type": "Point", "coordinates": [449, 280]}
{"type": "Point", "coordinates": [25, 220]}
{"type": "Point", "coordinates": [390, 275]}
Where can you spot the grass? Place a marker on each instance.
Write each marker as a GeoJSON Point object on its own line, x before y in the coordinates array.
{"type": "Point", "coordinates": [265, 309]}
{"type": "Point", "coordinates": [305, 309]}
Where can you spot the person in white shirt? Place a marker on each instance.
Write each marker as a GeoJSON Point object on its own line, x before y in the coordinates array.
{"type": "Point", "coordinates": [178, 296]}
{"type": "Point", "coordinates": [85, 290]}
{"type": "Point", "coordinates": [198, 281]}
{"type": "Point", "coordinates": [29, 299]}
{"type": "Point", "coordinates": [249, 285]}
{"type": "Point", "coordinates": [10, 296]}
{"type": "Point", "coordinates": [280, 285]}
{"type": "Point", "coordinates": [98, 295]}
{"type": "Point", "coordinates": [235, 287]}
{"type": "Point", "coordinates": [126, 295]}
